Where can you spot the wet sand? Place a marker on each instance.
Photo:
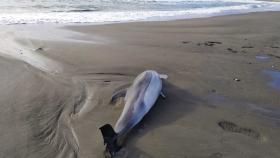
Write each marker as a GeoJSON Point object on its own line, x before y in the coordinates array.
{"type": "Point", "coordinates": [222, 91]}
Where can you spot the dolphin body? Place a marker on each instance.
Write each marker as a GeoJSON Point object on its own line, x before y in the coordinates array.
{"type": "Point", "coordinates": [139, 99]}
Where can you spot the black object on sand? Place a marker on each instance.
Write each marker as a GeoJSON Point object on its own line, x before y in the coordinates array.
{"type": "Point", "coordinates": [110, 139]}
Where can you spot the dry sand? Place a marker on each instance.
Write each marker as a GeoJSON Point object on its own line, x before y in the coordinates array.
{"type": "Point", "coordinates": [56, 85]}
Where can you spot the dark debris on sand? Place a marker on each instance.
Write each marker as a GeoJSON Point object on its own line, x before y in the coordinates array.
{"type": "Point", "coordinates": [39, 49]}
{"type": "Point", "coordinates": [237, 79]}
{"type": "Point", "coordinates": [232, 50]}
{"type": "Point", "coordinates": [247, 46]}
{"type": "Point", "coordinates": [186, 42]}
{"type": "Point", "coordinates": [275, 56]}
{"type": "Point", "coordinates": [209, 43]}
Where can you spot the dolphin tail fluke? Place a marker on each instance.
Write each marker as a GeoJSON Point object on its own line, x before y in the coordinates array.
{"type": "Point", "coordinates": [110, 139]}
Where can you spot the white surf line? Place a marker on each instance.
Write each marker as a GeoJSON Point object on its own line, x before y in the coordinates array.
{"type": "Point", "coordinates": [10, 48]}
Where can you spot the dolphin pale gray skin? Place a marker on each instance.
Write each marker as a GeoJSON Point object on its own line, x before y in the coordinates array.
{"type": "Point", "coordinates": [139, 99]}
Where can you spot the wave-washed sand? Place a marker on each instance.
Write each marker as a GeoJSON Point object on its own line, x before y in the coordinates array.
{"type": "Point", "coordinates": [222, 91]}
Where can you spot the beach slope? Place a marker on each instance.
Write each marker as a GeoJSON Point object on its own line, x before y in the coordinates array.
{"type": "Point", "coordinates": [222, 91]}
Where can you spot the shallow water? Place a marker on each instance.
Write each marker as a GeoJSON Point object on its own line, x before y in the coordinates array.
{"type": "Point", "coordinates": [275, 78]}
{"type": "Point", "coordinates": [262, 57]}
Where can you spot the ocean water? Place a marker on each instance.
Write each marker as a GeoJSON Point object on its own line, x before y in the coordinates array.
{"type": "Point", "coordinates": [100, 11]}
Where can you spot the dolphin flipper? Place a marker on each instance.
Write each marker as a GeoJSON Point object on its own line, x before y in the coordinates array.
{"type": "Point", "coordinates": [163, 76]}
{"type": "Point", "coordinates": [162, 95]}
{"type": "Point", "coordinates": [117, 95]}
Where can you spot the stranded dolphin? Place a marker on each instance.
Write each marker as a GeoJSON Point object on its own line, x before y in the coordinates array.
{"type": "Point", "coordinates": [139, 99]}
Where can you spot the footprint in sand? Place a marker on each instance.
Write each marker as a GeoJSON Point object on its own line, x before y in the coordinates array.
{"type": "Point", "coordinates": [232, 127]}
{"type": "Point", "coordinates": [123, 153]}
{"type": "Point", "coordinates": [216, 155]}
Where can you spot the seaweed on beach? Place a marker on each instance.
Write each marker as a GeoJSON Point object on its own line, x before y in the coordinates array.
{"type": "Point", "coordinates": [232, 127]}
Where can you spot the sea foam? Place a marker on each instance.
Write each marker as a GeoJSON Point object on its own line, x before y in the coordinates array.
{"type": "Point", "coordinates": [147, 10]}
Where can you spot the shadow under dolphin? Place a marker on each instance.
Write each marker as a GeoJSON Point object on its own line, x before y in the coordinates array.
{"type": "Point", "coordinates": [178, 103]}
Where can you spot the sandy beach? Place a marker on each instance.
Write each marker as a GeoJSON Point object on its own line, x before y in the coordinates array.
{"type": "Point", "coordinates": [222, 91]}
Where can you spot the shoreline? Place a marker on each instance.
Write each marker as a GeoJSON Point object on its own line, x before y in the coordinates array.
{"type": "Point", "coordinates": [165, 18]}
{"type": "Point", "coordinates": [222, 96]}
